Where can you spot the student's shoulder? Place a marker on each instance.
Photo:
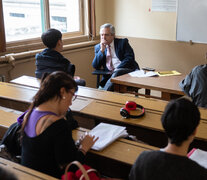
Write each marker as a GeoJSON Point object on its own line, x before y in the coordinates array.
{"type": "Point", "coordinates": [200, 69]}
{"type": "Point", "coordinates": [54, 122]}
{"type": "Point", "coordinates": [149, 154]}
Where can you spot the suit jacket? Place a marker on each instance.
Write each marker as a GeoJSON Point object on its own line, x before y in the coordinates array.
{"type": "Point", "coordinates": [123, 51]}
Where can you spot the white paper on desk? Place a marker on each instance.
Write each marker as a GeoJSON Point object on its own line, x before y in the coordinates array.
{"type": "Point", "coordinates": [107, 134]}
{"type": "Point", "coordinates": [200, 157]}
{"type": "Point", "coordinates": [142, 73]}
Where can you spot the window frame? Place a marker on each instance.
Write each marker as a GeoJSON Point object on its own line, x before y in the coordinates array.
{"type": "Point", "coordinates": [36, 43]}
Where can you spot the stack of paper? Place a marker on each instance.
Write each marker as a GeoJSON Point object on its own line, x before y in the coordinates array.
{"type": "Point", "coordinates": [142, 73]}
{"type": "Point", "coordinates": [199, 156]}
{"type": "Point", "coordinates": [107, 134]}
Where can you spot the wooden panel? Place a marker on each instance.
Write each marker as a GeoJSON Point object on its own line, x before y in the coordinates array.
{"type": "Point", "coordinates": [2, 32]}
{"type": "Point", "coordinates": [22, 172]}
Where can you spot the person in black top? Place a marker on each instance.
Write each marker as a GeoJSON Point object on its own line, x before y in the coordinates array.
{"type": "Point", "coordinates": [47, 143]}
{"type": "Point", "coordinates": [180, 121]}
{"type": "Point", "coordinates": [51, 59]}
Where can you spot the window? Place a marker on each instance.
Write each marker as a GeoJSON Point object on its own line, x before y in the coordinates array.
{"type": "Point", "coordinates": [26, 19]}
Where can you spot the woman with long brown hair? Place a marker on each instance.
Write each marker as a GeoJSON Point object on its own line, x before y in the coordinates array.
{"type": "Point", "coordinates": [47, 143]}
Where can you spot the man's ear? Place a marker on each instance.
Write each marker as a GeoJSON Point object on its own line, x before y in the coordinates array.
{"type": "Point", "coordinates": [59, 43]}
{"type": "Point", "coordinates": [195, 131]}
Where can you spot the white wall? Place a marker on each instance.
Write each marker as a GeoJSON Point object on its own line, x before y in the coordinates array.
{"type": "Point", "coordinates": [133, 19]}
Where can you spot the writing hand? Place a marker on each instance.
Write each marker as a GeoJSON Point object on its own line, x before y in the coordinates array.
{"type": "Point", "coordinates": [87, 142]}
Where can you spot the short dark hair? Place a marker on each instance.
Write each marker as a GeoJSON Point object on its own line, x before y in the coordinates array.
{"type": "Point", "coordinates": [51, 37]}
{"type": "Point", "coordinates": [180, 119]}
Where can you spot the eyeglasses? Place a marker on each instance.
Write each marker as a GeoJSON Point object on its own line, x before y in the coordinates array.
{"type": "Point", "coordinates": [74, 95]}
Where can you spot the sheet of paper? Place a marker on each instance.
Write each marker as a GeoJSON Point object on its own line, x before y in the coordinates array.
{"type": "Point", "coordinates": [200, 157]}
{"type": "Point", "coordinates": [107, 134]}
{"type": "Point", "coordinates": [142, 73]}
{"type": "Point", "coordinates": [80, 103]}
{"type": "Point", "coordinates": [168, 73]}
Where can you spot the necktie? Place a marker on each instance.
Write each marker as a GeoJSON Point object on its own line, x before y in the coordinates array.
{"type": "Point", "coordinates": [109, 64]}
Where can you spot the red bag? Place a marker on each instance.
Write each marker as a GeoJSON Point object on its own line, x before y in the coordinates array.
{"type": "Point", "coordinates": [83, 173]}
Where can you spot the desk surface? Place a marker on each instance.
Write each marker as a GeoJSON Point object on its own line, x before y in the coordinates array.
{"type": "Point", "coordinates": [32, 84]}
{"type": "Point", "coordinates": [166, 84]}
{"type": "Point", "coordinates": [130, 149]}
{"type": "Point", "coordinates": [19, 90]}
{"type": "Point", "coordinates": [104, 104]}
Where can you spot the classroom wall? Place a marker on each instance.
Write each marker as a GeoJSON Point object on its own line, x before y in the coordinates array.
{"type": "Point", "coordinates": [151, 34]}
{"type": "Point", "coordinates": [133, 19]}
{"type": "Point", "coordinates": [82, 58]}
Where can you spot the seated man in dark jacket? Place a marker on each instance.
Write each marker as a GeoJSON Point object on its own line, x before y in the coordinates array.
{"type": "Point", "coordinates": [113, 54]}
{"type": "Point", "coordinates": [50, 59]}
{"type": "Point", "coordinates": [195, 85]}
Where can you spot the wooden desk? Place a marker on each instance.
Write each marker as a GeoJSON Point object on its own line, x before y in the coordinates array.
{"type": "Point", "coordinates": [86, 92]}
{"type": "Point", "coordinates": [6, 119]}
{"type": "Point", "coordinates": [22, 172]}
{"type": "Point", "coordinates": [168, 85]}
{"type": "Point", "coordinates": [106, 105]}
{"type": "Point", "coordinates": [27, 81]}
{"type": "Point", "coordinates": [122, 152]}
{"type": "Point", "coordinates": [133, 148]}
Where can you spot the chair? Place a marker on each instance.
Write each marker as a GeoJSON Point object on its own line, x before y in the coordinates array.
{"type": "Point", "coordinates": [2, 78]}
{"type": "Point", "coordinates": [98, 73]}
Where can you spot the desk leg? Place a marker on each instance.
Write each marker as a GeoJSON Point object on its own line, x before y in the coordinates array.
{"type": "Point", "coordinates": [98, 80]}
{"type": "Point", "coordinates": [147, 92]}
{"type": "Point", "coordinates": [116, 88]}
{"type": "Point", "coordinates": [120, 88]}
{"type": "Point", "coordinates": [169, 96]}
{"type": "Point", "coordinates": [165, 96]}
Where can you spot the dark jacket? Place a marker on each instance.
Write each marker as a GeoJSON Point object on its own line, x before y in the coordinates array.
{"type": "Point", "coordinates": [195, 85]}
{"type": "Point", "coordinates": [123, 51]}
{"type": "Point", "coordinates": [50, 60]}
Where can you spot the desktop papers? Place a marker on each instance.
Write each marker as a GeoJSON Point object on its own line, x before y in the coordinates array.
{"type": "Point", "coordinates": [142, 73]}
{"type": "Point", "coordinates": [107, 134]}
{"type": "Point", "coordinates": [199, 156]}
{"type": "Point", "coordinates": [168, 73]}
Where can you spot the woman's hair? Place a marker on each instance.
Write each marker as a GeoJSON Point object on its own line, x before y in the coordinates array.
{"type": "Point", "coordinates": [50, 88]}
{"type": "Point", "coordinates": [180, 119]}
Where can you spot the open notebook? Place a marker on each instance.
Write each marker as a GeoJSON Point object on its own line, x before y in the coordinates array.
{"type": "Point", "coordinates": [199, 156]}
{"type": "Point", "coordinates": [107, 134]}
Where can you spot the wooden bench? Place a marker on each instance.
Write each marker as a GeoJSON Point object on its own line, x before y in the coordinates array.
{"type": "Point", "coordinates": [105, 107]}
{"type": "Point", "coordinates": [22, 172]}
{"type": "Point", "coordinates": [122, 152]}
{"type": "Point", "coordinates": [97, 94]}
